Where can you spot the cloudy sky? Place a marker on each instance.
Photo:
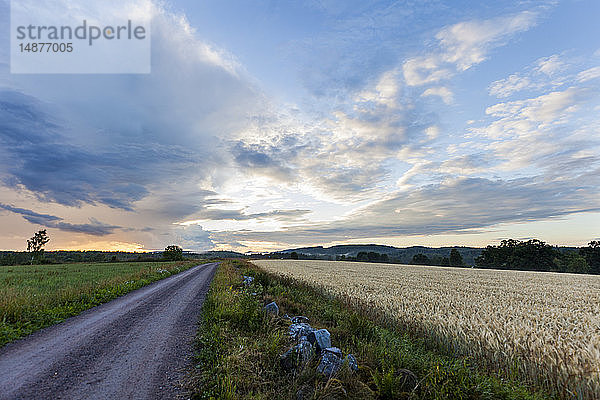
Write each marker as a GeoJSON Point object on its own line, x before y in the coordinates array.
{"type": "Point", "coordinates": [273, 124]}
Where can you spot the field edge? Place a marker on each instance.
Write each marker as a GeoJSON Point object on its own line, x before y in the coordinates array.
{"type": "Point", "coordinates": [238, 349]}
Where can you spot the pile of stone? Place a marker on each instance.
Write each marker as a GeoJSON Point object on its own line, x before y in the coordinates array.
{"type": "Point", "coordinates": [311, 342]}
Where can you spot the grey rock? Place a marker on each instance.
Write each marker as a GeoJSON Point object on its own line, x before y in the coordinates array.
{"type": "Point", "coordinates": [351, 361]}
{"type": "Point", "coordinates": [288, 360]}
{"type": "Point", "coordinates": [320, 338]}
{"type": "Point", "coordinates": [334, 350]}
{"type": "Point", "coordinates": [299, 330]}
{"type": "Point", "coordinates": [297, 356]}
{"type": "Point", "coordinates": [331, 361]}
{"type": "Point", "coordinates": [299, 320]}
{"type": "Point", "coordinates": [271, 308]}
{"type": "Point", "coordinates": [305, 351]}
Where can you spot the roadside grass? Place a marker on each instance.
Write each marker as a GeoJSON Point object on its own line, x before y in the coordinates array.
{"type": "Point", "coordinates": [238, 349]}
{"type": "Point", "coordinates": [33, 297]}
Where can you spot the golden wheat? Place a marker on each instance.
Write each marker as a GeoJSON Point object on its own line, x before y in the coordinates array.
{"type": "Point", "coordinates": [542, 327]}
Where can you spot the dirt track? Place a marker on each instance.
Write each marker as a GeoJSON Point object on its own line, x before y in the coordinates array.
{"type": "Point", "coordinates": [134, 347]}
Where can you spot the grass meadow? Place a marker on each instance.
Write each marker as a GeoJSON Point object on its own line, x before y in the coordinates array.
{"type": "Point", "coordinates": [36, 296]}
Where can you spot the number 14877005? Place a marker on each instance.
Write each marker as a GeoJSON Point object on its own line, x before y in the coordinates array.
{"type": "Point", "coordinates": [46, 47]}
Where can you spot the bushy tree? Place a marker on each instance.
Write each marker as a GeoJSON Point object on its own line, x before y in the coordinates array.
{"type": "Point", "coordinates": [575, 263]}
{"type": "Point", "coordinates": [591, 253]}
{"type": "Point", "coordinates": [421, 259]}
{"type": "Point", "coordinates": [36, 244]}
{"type": "Point", "coordinates": [371, 256]}
{"type": "Point", "coordinates": [456, 259]}
{"type": "Point", "coordinates": [173, 253]}
{"type": "Point", "coordinates": [532, 255]}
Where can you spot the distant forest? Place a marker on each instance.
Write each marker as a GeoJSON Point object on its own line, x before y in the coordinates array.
{"type": "Point", "coordinates": [511, 254]}
{"type": "Point", "coordinates": [63, 257]}
{"type": "Point", "coordinates": [530, 255]}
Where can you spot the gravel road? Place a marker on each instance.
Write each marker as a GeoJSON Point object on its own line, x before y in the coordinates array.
{"type": "Point", "coordinates": [134, 347]}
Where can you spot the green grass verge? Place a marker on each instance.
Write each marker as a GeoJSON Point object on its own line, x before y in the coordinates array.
{"type": "Point", "coordinates": [238, 350]}
{"type": "Point", "coordinates": [33, 297]}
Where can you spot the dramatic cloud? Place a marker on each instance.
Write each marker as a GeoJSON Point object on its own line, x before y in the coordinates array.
{"type": "Point", "coordinates": [423, 70]}
{"type": "Point", "coordinates": [98, 148]}
{"type": "Point", "coordinates": [467, 43]}
{"type": "Point", "coordinates": [461, 205]}
{"type": "Point", "coordinates": [463, 45]}
{"type": "Point", "coordinates": [442, 92]}
{"type": "Point", "coordinates": [550, 65]}
{"type": "Point", "coordinates": [241, 215]}
{"type": "Point", "coordinates": [544, 74]}
{"type": "Point", "coordinates": [589, 74]}
{"type": "Point", "coordinates": [379, 122]}
{"type": "Point", "coordinates": [506, 87]}
{"type": "Point", "coordinates": [95, 227]}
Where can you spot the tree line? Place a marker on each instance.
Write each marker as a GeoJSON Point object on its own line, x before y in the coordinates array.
{"type": "Point", "coordinates": [454, 258]}
{"type": "Point", "coordinates": [512, 254]}
{"type": "Point", "coordinates": [536, 255]}
{"type": "Point", "coordinates": [36, 254]}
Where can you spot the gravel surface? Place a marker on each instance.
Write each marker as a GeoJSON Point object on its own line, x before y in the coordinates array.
{"type": "Point", "coordinates": [134, 347]}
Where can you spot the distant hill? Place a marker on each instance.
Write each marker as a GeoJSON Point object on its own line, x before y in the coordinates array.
{"type": "Point", "coordinates": [395, 254]}
{"type": "Point", "coordinates": [403, 255]}
{"type": "Point", "coordinates": [222, 254]}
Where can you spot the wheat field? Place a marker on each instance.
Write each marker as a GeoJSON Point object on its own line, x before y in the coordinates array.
{"type": "Point", "coordinates": [543, 328]}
